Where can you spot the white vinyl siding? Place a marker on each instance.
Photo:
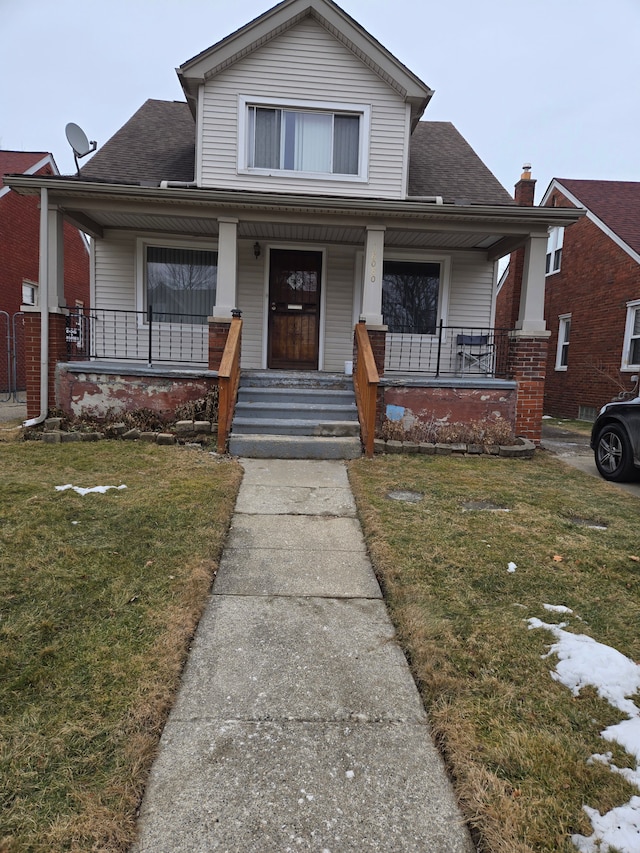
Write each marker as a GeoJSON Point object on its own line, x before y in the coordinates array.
{"type": "Point", "coordinates": [251, 301]}
{"type": "Point", "coordinates": [115, 271]}
{"type": "Point", "coordinates": [338, 336]}
{"type": "Point", "coordinates": [308, 64]}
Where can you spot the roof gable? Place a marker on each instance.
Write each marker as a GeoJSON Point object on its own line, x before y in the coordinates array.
{"type": "Point", "coordinates": [612, 204]}
{"type": "Point", "coordinates": [23, 163]}
{"type": "Point", "coordinates": [282, 17]}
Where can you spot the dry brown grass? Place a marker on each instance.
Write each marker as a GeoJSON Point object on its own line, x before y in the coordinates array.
{"type": "Point", "coordinates": [516, 743]}
{"type": "Point", "coordinates": [96, 620]}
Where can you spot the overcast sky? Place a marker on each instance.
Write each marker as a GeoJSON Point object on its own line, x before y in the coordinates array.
{"type": "Point", "coordinates": [552, 82]}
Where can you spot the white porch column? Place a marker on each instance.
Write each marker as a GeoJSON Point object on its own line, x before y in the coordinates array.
{"type": "Point", "coordinates": [55, 259]}
{"type": "Point", "coordinates": [531, 316]}
{"type": "Point", "coordinates": [226, 288]}
{"type": "Point", "coordinates": [372, 274]}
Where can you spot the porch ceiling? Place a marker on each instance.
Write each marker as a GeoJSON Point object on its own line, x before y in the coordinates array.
{"type": "Point", "coordinates": [408, 223]}
{"type": "Point", "coordinates": [298, 232]}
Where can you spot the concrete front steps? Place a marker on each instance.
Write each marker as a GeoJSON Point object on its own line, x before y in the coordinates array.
{"type": "Point", "coordinates": [295, 415]}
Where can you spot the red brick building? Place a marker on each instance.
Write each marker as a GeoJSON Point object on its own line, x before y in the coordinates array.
{"type": "Point", "coordinates": [20, 252]}
{"type": "Point", "coordinates": [592, 296]}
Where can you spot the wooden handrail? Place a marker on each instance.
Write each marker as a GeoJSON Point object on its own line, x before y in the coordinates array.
{"type": "Point", "coordinates": [228, 381]}
{"type": "Point", "coordinates": [365, 383]}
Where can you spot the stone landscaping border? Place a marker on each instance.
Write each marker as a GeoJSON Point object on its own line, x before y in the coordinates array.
{"type": "Point", "coordinates": [184, 432]}
{"type": "Point", "coordinates": [198, 433]}
{"type": "Point", "coordinates": [524, 450]}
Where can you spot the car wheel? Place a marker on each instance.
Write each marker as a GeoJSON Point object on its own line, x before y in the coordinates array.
{"type": "Point", "coordinates": [614, 458]}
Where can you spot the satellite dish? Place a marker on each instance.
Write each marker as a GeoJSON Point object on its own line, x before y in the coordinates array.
{"type": "Point", "coordinates": [77, 139]}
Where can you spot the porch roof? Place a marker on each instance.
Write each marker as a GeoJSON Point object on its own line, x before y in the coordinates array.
{"type": "Point", "coordinates": [194, 212]}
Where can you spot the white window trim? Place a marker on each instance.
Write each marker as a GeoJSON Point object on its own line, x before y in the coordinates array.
{"type": "Point", "coordinates": [563, 319]}
{"type": "Point", "coordinates": [363, 110]}
{"type": "Point", "coordinates": [141, 255]}
{"type": "Point", "coordinates": [632, 308]}
{"type": "Point", "coordinates": [35, 289]}
{"type": "Point", "coordinates": [554, 243]}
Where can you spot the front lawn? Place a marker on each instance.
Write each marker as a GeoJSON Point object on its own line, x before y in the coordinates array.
{"type": "Point", "coordinates": [517, 742]}
{"type": "Point", "coordinates": [99, 597]}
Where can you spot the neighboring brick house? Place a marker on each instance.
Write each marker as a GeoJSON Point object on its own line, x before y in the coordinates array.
{"type": "Point", "coordinates": [592, 296]}
{"type": "Point", "coordinates": [20, 251]}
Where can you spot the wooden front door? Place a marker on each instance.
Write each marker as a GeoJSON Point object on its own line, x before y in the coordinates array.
{"type": "Point", "coordinates": [294, 309]}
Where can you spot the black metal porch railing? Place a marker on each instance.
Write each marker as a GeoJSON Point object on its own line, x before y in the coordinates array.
{"type": "Point", "coordinates": [450, 351]}
{"type": "Point", "coordinates": [149, 336]}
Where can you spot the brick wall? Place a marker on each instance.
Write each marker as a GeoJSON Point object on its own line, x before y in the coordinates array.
{"type": "Point", "coordinates": [527, 365]}
{"type": "Point", "coordinates": [596, 280]}
{"type": "Point", "coordinates": [218, 334]}
{"type": "Point", "coordinates": [20, 251]}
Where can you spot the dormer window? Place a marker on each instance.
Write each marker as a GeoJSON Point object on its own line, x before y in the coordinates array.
{"type": "Point", "coordinates": [319, 141]}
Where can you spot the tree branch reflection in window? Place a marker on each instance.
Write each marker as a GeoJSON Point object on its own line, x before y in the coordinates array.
{"type": "Point", "coordinates": [410, 296]}
{"type": "Point", "coordinates": [181, 282]}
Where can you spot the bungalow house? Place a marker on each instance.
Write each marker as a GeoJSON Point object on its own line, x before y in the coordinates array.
{"type": "Point", "coordinates": [292, 217]}
{"type": "Point", "coordinates": [19, 270]}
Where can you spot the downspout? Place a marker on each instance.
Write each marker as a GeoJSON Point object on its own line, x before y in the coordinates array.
{"type": "Point", "coordinates": [44, 309]}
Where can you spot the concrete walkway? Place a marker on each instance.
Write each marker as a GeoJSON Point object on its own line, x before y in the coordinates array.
{"type": "Point", "coordinates": [297, 725]}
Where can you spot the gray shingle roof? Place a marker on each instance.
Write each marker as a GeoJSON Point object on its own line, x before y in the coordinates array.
{"type": "Point", "coordinates": [441, 162]}
{"type": "Point", "coordinates": [158, 144]}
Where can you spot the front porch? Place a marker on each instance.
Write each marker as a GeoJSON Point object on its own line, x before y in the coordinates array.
{"type": "Point", "coordinates": [455, 391]}
{"type": "Point", "coordinates": [415, 278]}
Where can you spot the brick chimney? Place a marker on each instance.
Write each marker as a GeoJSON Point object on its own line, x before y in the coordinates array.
{"type": "Point", "coordinates": [525, 188]}
{"type": "Point", "coordinates": [508, 302]}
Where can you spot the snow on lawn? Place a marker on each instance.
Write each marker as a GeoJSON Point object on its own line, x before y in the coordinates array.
{"type": "Point", "coordinates": [583, 661]}
{"type": "Point", "coordinates": [99, 489]}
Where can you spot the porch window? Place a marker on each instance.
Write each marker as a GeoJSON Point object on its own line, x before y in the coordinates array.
{"type": "Point", "coordinates": [181, 282]}
{"type": "Point", "coordinates": [631, 347]}
{"type": "Point", "coordinates": [554, 250]}
{"type": "Point", "coordinates": [410, 297]}
{"type": "Point", "coordinates": [564, 332]}
{"type": "Point", "coordinates": [314, 140]}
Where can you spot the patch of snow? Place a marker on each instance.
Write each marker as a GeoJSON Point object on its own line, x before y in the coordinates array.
{"type": "Point", "coordinates": [511, 567]}
{"type": "Point", "coordinates": [81, 491]}
{"type": "Point", "coordinates": [557, 608]}
{"type": "Point", "coordinates": [583, 661]}
{"type": "Point", "coordinates": [618, 829]}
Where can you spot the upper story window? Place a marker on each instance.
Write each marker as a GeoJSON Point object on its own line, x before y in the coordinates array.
{"type": "Point", "coordinates": [554, 250]}
{"type": "Point", "coordinates": [631, 346]}
{"type": "Point", "coordinates": [310, 140]}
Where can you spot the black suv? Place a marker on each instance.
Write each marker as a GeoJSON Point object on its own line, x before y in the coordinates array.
{"type": "Point", "coordinates": [615, 441]}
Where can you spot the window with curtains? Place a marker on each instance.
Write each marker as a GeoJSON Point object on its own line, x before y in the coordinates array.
{"type": "Point", "coordinates": [317, 142]}
{"type": "Point", "coordinates": [180, 282]}
{"type": "Point", "coordinates": [410, 296]}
